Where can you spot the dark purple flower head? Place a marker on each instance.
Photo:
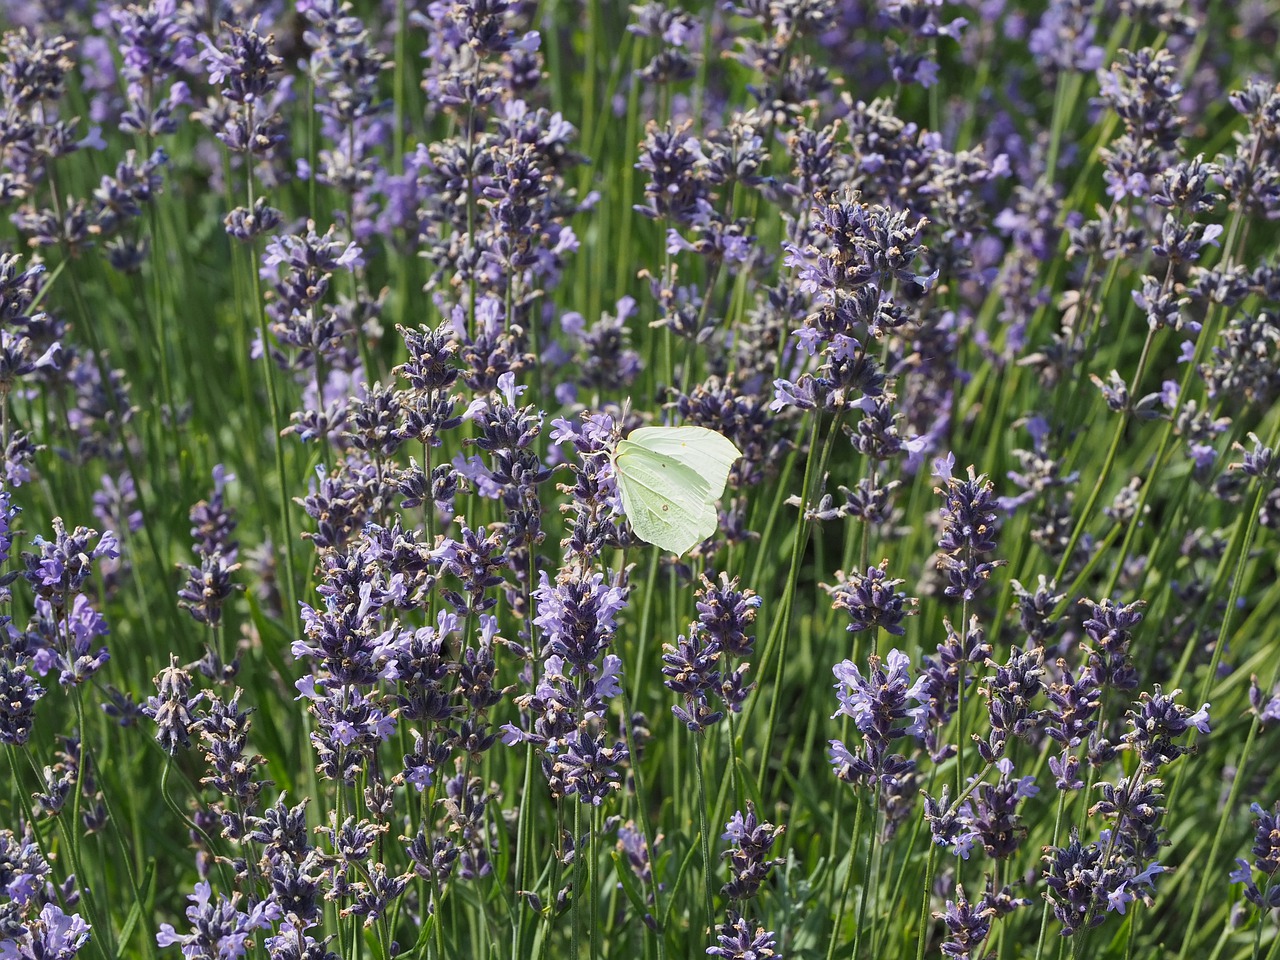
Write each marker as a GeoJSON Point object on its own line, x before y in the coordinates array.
{"type": "Point", "coordinates": [990, 814]}
{"type": "Point", "coordinates": [171, 707]}
{"type": "Point", "coordinates": [233, 771]}
{"type": "Point", "coordinates": [942, 677]}
{"type": "Point", "coordinates": [213, 522]}
{"type": "Point", "coordinates": [1035, 611]}
{"type": "Point", "coordinates": [673, 159]}
{"type": "Point", "coordinates": [969, 519]}
{"type": "Point", "coordinates": [62, 566]}
{"type": "Point", "coordinates": [1009, 694]}
{"type": "Point", "coordinates": [750, 841]}
{"type": "Point", "coordinates": [248, 223]}
{"type": "Point", "coordinates": [1266, 859]}
{"type": "Point", "coordinates": [208, 587]}
{"type": "Point", "coordinates": [1266, 840]}
{"type": "Point", "coordinates": [1135, 806]}
{"type": "Point", "coordinates": [736, 940]}
{"type": "Point", "coordinates": [1110, 626]}
{"type": "Point", "coordinates": [690, 668]}
{"type": "Point", "coordinates": [19, 358]}
{"type": "Point", "coordinates": [1156, 721]}
{"type": "Point", "coordinates": [1267, 708]}
{"type": "Point", "coordinates": [878, 702]}
{"type": "Point", "coordinates": [245, 67]}
{"type": "Point", "coordinates": [1070, 717]}
{"type": "Point", "coordinates": [967, 925]}
{"type": "Point", "coordinates": [8, 514]}
{"type": "Point", "coordinates": [19, 693]}
{"type": "Point", "coordinates": [588, 766]}
{"type": "Point", "coordinates": [726, 614]}
{"type": "Point", "coordinates": [220, 930]}
{"type": "Point", "coordinates": [871, 601]}
{"type": "Point", "coordinates": [350, 728]}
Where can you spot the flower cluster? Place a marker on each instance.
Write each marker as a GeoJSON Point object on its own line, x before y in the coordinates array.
{"type": "Point", "coordinates": [710, 663]}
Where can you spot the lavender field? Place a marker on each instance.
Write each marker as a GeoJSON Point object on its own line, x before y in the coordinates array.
{"type": "Point", "coordinates": [370, 582]}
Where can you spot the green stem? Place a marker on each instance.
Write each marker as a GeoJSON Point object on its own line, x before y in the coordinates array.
{"type": "Point", "coordinates": [1207, 875]}
{"type": "Point", "coordinates": [847, 884]}
{"type": "Point", "coordinates": [704, 836]}
{"type": "Point", "coordinates": [273, 399]}
{"type": "Point", "coordinates": [779, 633]}
{"type": "Point", "coordinates": [1057, 834]}
{"type": "Point", "coordinates": [872, 844]}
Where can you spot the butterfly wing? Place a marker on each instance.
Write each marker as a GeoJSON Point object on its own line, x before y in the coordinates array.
{"type": "Point", "coordinates": [667, 503]}
{"type": "Point", "coordinates": [704, 452]}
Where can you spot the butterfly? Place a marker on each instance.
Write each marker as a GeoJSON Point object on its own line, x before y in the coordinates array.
{"type": "Point", "coordinates": [670, 479]}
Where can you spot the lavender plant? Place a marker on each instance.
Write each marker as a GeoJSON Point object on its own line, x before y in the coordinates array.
{"type": "Point", "coordinates": [324, 632]}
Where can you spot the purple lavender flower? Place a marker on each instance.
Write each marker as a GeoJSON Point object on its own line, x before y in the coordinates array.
{"type": "Point", "coordinates": [155, 42]}
{"type": "Point", "coordinates": [738, 941]}
{"type": "Point", "coordinates": [877, 703]}
{"type": "Point", "coordinates": [8, 514]}
{"type": "Point", "coordinates": [969, 519]}
{"type": "Point", "coordinates": [1267, 708]}
{"type": "Point", "coordinates": [233, 773]}
{"type": "Point", "coordinates": [213, 522]}
{"type": "Point", "coordinates": [871, 601]}
{"type": "Point", "coordinates": [1070, 720]}
{"type": "Point", "coordinates": [19, 693]}
{"type": "Point", "coordinates": [220, 930]}
{"type": "Point", "coordinates": [171, 707]}
{"type": "Point", "coordinates": [990, 814]}
{"type": "Point", "coordinates": [942, 678]}
{"type": "Point", "coordinates": [1155, 723]}
{"type": "Point", "coordinates": [1266, 859]}
{"type": "Point", "coordinates": [577, 616]}
{"type": "Point", "coordinates": [703, 663]}
{"type": "Point", "coordinates": [1009, 694]}
{"type": "Point", "coordinates": [52, 935]}
{"type": "Point", "coordinates": [65, 640]}
{"type": "Point", "coordinates": [208, 587]}
{"type": "Point", "coordinates": [967, 925]}
{"type": "Point", "coordinates": [750, 840]}
{"type": "Point", "coordinates": [62, 566]}
{"type": "Point", "coordinates": [1110, 628]}
{"type": "Point", "coordinates": [631, 844]}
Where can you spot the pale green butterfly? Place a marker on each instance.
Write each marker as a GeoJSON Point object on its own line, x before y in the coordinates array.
{"type": "Point", "coordinates": [670, 479]}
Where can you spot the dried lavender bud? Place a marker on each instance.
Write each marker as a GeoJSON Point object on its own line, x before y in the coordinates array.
{"type": "Point", "coordinates": [171, 707]}
{"type": "Point", "coordinates": [208, 587]}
